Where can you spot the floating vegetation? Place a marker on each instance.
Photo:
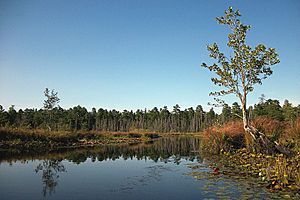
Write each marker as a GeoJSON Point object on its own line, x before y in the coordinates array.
{"type": "Point", "coordinates": [281, 173]}
{"type": "Point", "coordinates": [277, 174]}
{"type": "Point", "coordinates": [232, 184]}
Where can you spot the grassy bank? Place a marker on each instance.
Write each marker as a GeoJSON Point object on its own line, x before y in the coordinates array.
{"type": "Point", "coordinates": [232, 150]}
{"type": "Point", "coordinates": [41, 139]}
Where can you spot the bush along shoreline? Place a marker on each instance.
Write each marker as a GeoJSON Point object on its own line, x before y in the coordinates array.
{"type": "Point", "coordinates": [229, 150]}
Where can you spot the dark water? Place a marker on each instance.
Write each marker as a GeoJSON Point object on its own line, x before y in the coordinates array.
{"type": "Point", "coordinates": [169, 168]}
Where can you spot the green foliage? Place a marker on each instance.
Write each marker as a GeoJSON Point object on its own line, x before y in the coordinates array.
{"type": "Point", "coordinates": [154, 120]}
{"type": "Point", "coordinates": [246, 67]}
{"type": "Point", "coordinates": [12, 116]}
{"type": "Point", "coordinates": [270, 108]}
{"type": "Point", "coordinates": [290, 113]}
{"type": "Point", "coordinates": [51, 99]}
{"type": "Point", "coordinates": [3, 117]}
{"type": "Point", "coordinates": [79, 118]}
{"type": "Point", "coordinates": [226, 114]}
{"type": "Point", "coordinates": [49, 104]}
{"type": "Point", "coordinates": [236, 110]}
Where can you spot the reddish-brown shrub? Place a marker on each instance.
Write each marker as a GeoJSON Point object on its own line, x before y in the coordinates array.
{"type": "Point", "coordinates": [231, 129]}
{"type": "Point", "coordinates": [231, 135]}
{"type": "Point", "coordinates": [271, 127]}
{"type": "Point", "coordinates": [292, 129]}
{"type": "Point", "coordinates": [291, 134]}
{"type": "Point", "coordinates": [226, 137]}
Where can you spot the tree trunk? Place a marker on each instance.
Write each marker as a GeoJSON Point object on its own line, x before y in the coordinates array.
{"type": "Point", "coordinates": [262, 143]}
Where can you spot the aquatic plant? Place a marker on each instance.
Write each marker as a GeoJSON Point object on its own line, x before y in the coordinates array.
{"type": "Point", "coordinates": [280, 172]}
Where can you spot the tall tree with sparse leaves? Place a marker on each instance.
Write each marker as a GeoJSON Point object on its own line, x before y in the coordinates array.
{"type": "Point", "coordinates": [241, 71]}
{"type": "Point", "coordinates": [51, 101]}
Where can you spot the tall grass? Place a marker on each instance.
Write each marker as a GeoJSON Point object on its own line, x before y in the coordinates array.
{"type": "Point", "coordinates": [7, 134]}
{"type": "Point", "coordinates": [271, 127]}
{"type": "Point", "coordinates": [225, 138]}
{"type": "Point", "coordinates": [291, 134]}
{"type": "Point", "coordinates": [232, 136]}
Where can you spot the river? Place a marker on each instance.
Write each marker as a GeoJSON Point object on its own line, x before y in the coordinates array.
{"type": "Point", "coordinates": [168, 168]}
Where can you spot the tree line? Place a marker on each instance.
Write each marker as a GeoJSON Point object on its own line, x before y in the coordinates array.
{"type": "Point", "coordinates": [156, 119]}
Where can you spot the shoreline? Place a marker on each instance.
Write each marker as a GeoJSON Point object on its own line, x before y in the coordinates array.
{"type": "Point", "coordinates": [41, 140]}
{"type": "Point", "coordinates": [279, 173]}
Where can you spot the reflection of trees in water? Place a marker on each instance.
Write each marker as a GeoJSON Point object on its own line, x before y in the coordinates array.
{"type": "Point", "coordinates": [50, 173]}
{"type": "Point", "coordinates": [161, 150]}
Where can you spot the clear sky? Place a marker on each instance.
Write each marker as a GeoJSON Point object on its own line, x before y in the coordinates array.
{"type": "Point", "coordinates": [128, 54]}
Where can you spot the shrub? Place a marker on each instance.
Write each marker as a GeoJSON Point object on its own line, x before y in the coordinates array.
{"type": "Point", "coordinates": [271, 127]}
{"type": "Point", "coordinates": [291, 134]}
{"type": "Point", "coordinates": [225, 138]}
{"type": "Point", "coordinates": [293, 129]}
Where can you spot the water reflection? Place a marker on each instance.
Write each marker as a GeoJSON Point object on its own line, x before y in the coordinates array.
{"type": "Point", "coordinates": [169, 149]}
{"type": "Point", "coordinates": [153, 173]}
{"type": "Point", "coordinates": [50, 170]}
{"type": "Point", "coordinates": [175, 171]}
{"type": "Point", "coordinates": [162, 149]}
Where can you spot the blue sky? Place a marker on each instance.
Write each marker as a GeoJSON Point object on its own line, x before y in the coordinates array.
{"type": "Point", "coordinates": [127, 54]}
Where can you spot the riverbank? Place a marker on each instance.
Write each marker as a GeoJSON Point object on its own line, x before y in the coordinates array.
{"type": "Point", "coordinates": [41, 140]}
{"type": "Point", "coordinates": [278, 173]}
{"type": "Point", "coordinates": [232, 153]}
{"type": "Point", "coordinates": [137, 171]}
